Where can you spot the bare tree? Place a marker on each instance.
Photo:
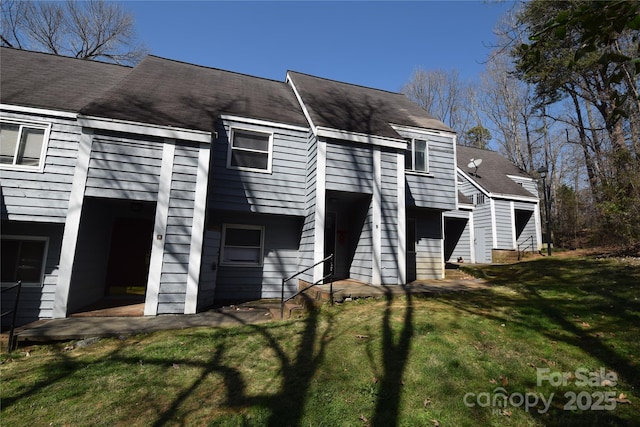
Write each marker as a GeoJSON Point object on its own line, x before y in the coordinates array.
{"type": "Point", "coordinates": [443, 94]}
{"type": "Point", "coordinates": [92, 29]}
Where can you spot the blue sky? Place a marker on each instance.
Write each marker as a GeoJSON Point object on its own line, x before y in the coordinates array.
{"type": "Point", "coordinates": [370, 43]}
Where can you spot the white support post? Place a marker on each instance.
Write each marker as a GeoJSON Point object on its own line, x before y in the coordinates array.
{"type": "Point", "coordinates": [159, 229]}
{"type": "Point", "coordinates": [72, 225]}
{"type": "Point", "coordinates": [197, 230]}
{"type": "Point", "coordinates": [376, 232]}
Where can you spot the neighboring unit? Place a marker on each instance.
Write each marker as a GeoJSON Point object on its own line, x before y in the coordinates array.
{"type": "Point", "coordinates": [181, 186]}
{"type": "Point", "coordinates": [498, 210]}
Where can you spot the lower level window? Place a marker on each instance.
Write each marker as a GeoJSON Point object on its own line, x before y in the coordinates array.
{"type": "Point", "coordinates": [22, 145]}
{"type": "Point", "coordinates": [23, 258]}
{"type": "Point", "coordinates": [242, 245]}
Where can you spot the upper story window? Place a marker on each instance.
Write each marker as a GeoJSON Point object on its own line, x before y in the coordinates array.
{"type": "Point", "coordinates": [23, 144]}
{"type": "Point", "coordinates": [23, 258]}
{"type": "Point", "coordinates": [250, 150]}
{"type": "Point", "coordinates": [242, 245]}
{"type": "Point", "coordinates": [417, 156]}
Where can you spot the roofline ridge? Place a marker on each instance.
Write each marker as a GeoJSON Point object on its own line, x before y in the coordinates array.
{"type": "Point", "coordinates": [346, 83]}
{"type": "Point", "coordinates": [207, 67]}
{"type": "Point", "coordinates": [68, 57]}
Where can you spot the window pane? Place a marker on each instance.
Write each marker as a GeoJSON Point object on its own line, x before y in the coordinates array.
{"type": "Point", "coordinates": [22, 260]}
{"type": "Point", "coordinates": [250, 159]}
{"type": "Point", "coordinates": [30, 262]}
{"type": "Point", "coordinates": [244, 255]}
{"type": "Point", "coordinates": [251, 141]}
{"type": "Point", "coordinates": [242, 237]}
{"type": "Point", "coordinates": [30, 147]}
{"type": "Point", "coordinates": [408, 157]}
{"type": "Point", "coordinates": [8, 141]}
{"type": "Point", "coordinates": [421, 155]}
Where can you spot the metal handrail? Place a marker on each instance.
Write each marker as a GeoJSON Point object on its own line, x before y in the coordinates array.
{"type": "Point", "coordinates": [521, 252]}
{"type": "Point", "coordinates": [12, 341]}
{"type": "Point", "coordinates": [328, 276]}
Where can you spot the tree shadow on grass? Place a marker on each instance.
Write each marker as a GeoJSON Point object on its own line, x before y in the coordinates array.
{"type": "Point", "coordinates": [556, 299]}
{"type": "Point", "coordinates": [395, 355]}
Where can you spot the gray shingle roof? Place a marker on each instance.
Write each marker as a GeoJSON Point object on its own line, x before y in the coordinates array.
{"type": "Point", "coordinates": [492, 173]}
{"type": "Point", "coordinates": [173, 93]}
{"type": "Point", "coordinates": [359, 109]}
{"type": "Point", "coordinates": [42, 80]}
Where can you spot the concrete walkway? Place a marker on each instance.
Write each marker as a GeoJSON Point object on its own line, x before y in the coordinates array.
{"type": "Point", "coordinates": [77, 328]}
{"type": "Point", "coordinates": [74, 328]}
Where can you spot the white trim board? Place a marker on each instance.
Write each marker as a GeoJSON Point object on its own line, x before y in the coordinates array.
{"type": "Point", "coordinates": [159, 229]}
{"type": "Point", "coordinates": [72, 225]}
{"type": "Point", "coordinates": [145, 129]}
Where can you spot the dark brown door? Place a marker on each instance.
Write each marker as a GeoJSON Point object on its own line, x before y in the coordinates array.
{"type": "Point", "coordinates": [129, 256]}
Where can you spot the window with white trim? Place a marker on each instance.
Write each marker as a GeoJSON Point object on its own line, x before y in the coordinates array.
{"type": "Point", "coordinates": [242, 245]}
{"type": "Point", "coordinates": [23, 258]}
{"type": "Point", "coordinates": [250, 150]}
{"type": "Point", "coordinates": [417, 156]}
{"type": "Point", "coordinates": [22, 144]}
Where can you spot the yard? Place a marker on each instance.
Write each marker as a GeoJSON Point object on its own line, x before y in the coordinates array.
{"type": "Point", "coordinates": [555, 341]}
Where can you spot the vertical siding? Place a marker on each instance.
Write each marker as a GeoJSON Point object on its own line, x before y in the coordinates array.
{"type": "Point", "coordinates": [349, 167]}
{"type": "Point", "coordinates": [463, 245]}
{"type": "Point", "coordinates": [280, 192]}
{"type": "Point", "coordinates": [428, 257]}
{"type": "Point", "coordinates": [281, 245]}
{"type": "Point", "coordinates": [362, 263]}
{"type": "Point", "coordinates": [307, 240]}
{"type": "Point", "coordinates": [124, 168]}
{"type": "Point", "coordinates": [437, 189]}
{"type": "Point", "coordinates": [528, 184]}
{"type": "Point", "coordinates": [36, 301]}
{"type": "Point", "coordinates": [209, 268]}
{"type": "Point", "coordinates": [43, 196]}
{"type": "Point", "coordinates": [175, 265]}
{"type": "Point", "coordinates": [482, 224]}
{"type": "Point", "coordinates": [389, 193]}
{"type": "Point", "coordinates": [530, 228]}
{"type": "Point", "coordinates": [92, 255]}
{"type": "Point", "coordinates": [504, 224]}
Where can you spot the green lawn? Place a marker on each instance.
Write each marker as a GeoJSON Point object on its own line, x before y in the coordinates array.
{"type": "Point", "coordinates": [452, 360]}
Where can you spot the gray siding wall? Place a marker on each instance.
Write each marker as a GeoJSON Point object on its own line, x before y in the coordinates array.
{"type": "Point", "coordinates": [280, 192]}
{"type": "Point", "coordinates": [362, 263]}
{"type": "Point", "coordinates": [36, 301]}
{"type": "Point", "coordinates": [437, 189]}
{"type": "Point", "coordinates": [463, 245]}
{"type": "Point", "coordinates": [209, 268]}
{"type": "Point", "coordinates": [177, 245]}
{"type": "Point", "coordinates": [429, 262]}
{"type": "Point", "coordinates": [43, 196]}
{"type": "Point", "coordinates": [504, 224]}
{"type": "Point", "coordinates": [124, 168]}
{"type": "Point", "coordinates": [389, 220]}
{"type": "Point", "coordinates": [530, 228]}
{"type": "Point", "coordinates": [482, 229]}
{"type": "Point", "coordinates": [465, 187]}
{"type": "Point", "coordinates": [307, 239]}
{"type": "Point", "coordinates": [529, 185]}
{"type": "Point", "coordinates": [281, 245]}
{"type": "Point", "coordinates": [92, 255]}
{"type": "Point", "coordinates": [349, 167]}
